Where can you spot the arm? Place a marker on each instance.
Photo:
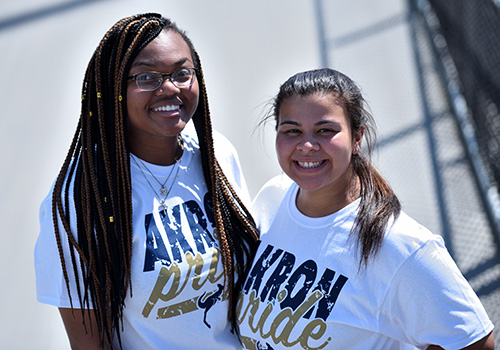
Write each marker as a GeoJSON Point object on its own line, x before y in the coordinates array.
{"type": "Point", "coordinates": [80, 338]}
{"type": "Point", "coordinates": [487, 343]}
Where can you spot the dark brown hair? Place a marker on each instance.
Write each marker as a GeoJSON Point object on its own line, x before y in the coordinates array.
{"type": "Point", "coordinates": [378, 201]}
{"type": "Point", "coordinates": [98, 163]}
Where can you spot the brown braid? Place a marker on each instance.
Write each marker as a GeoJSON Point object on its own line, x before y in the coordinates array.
{"type": "Point", "coordinates": [235, 226]}
{"type": "Point", "coordinates": [97, 170]}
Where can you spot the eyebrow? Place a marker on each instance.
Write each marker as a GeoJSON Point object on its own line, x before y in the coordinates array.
{"type": "Point", "coordinates": [321, 122]}
{"type": "Point", "coordinates": [153, 64]}
{"type": "Point", "coordinates": [286, 122]}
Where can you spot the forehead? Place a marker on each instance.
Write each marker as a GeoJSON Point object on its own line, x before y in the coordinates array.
{"type": "Point", "coordinates": [312, 108]}
{"type": "Point", "coordinates": [167, 49]}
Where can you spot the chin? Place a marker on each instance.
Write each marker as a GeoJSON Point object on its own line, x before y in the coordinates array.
{"type": "Point", "coordinates": [307, 184]}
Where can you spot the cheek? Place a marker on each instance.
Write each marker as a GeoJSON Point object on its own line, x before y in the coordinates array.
{"type": "Point", "coordinates": [341, 152]}
{"type": "Point", "coordinates": [283, 149]}
{"type": "Point", "coordinates": [191, 99]}
{"type": "Point", "coordinates": [130, 104]}
{"type": "Point", "coordinates": [195, 95]}
{"type": "Point", "coordinates": [278, 146]}
{"type": "Point", "coordinates": [133, 99]}
{"type": "Point", "coordinates": [196, 100]}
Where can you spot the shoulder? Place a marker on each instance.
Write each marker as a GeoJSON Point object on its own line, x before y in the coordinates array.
{"type": "Point", "coordinates": [407, 235]}
{"type": "Point", "coordinates": [403, 239]}
{"type": "Point", "coordinates": [225, 152]}
{"type": "Point", "coordinates": [224, 149]}
{"type": "Point", "coordinates": [221, 141]}
{"type": "Point", "coordinates": [190, 137]}
{"type": "Point", "coordinates": [50, 283]}
{"type": "Point", "coordinates": [222, 145]}
{"type": "Point", "coordinates": [416, 256]}
{"type": "Point", "coordinates": [425, 281]}
{"type": "Point", "coordinates": [274, 189]}
{"type": "Point", "coordinates": [227, 157]}
{"type": "Point", "coordinates": [268, 200]}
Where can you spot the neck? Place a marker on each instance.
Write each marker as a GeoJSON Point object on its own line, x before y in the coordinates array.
{"type": "Point", "coordinates": [164, 151]}
{"type": "Point", "coordinates": [324, 202]}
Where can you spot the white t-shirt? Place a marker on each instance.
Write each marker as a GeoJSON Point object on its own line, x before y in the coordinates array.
{"type": "Point", "coordinates": [305, 289]}
{"type": "Point", "coordinates": [177, 276]}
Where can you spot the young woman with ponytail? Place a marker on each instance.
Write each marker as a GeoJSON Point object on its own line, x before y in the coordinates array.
{"type": "Point", "coordinates": [340, 265]}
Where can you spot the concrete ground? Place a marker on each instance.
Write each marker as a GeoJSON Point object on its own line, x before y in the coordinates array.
{"type": "Point", "coordinates": [248, 49]}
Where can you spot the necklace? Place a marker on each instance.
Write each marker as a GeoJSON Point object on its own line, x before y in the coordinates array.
{"type": "Point", "coordinates": [163, 193]}
{"type": "Point", "coordinates": [163, 189]}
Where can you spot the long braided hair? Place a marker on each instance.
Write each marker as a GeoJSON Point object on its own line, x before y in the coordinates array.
{"type": "Point", "coordinates": [378, 202]}
{"type": "Point", "coordinates": [98, 167]}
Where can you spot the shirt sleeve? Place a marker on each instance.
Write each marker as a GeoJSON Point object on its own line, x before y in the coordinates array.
{"type": "Point", "coordinates": [229, 161]}
{"type": "Point", "coordinates": [267, 201]}
{"type": "Point", "coordinates": [50, 283]}
{"type": "Point", "coordinates": [430, 302]}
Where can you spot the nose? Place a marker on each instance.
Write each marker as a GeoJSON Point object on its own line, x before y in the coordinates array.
{"type": "Point", "coordinates": [308, 144]}
{"type": "Point", "coordinates": [167, 87]}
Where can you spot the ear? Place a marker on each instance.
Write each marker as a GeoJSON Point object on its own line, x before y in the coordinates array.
{"type": "Point", "coordinates": [357, 139]}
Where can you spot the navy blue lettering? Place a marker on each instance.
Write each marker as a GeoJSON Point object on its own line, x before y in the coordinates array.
{"type": "Point", "coordinates": [261, 266]}
{"type": "Point", "coordinates": [198, 225]}
{"type": "Point", "coordinates": [176, 237]}
{"type": "Point", "coordinates": [326, 304]}
{"type": "Point", "coordinates": [307, 270]}
{"type": "Point", "coordinates": [155, 247]}
{"type": "Point", "coordinates": [209, 208]}
{"type": "Point", "coordinates": [277, 278]}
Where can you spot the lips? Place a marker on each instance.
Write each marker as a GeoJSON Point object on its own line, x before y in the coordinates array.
{"type": "Point", "coordinates": [166, 108]}
{"type": "Point", "coordinates": [309, 165]}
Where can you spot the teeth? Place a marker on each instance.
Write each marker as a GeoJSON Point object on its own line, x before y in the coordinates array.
{"type": "Point", "coordinates": [166, 108]}
{"type": "Point", "coordinates": [309, 164]}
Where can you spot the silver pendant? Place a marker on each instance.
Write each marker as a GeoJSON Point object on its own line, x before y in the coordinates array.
{"type": "Point", "coordinates": [163, 191]}
{"type": "Point", "coordinates": [163, 207]}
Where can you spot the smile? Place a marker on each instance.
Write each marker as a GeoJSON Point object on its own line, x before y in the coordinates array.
{"type": "Point", "coordinates": [167, 108]}
{"type": "Point", "coordinates": [310, 164]}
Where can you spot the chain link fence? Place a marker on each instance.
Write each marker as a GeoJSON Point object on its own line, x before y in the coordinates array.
{"type": "Point", "coordinates": [466, 37]}
{"type": "Point", "coordinates": [460, 40]}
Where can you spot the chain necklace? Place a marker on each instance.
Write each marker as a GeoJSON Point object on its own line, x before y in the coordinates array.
{"type": "Point", "coordinates": [163, 189]}
{"type": "Point", "coordinates": [163, 193]}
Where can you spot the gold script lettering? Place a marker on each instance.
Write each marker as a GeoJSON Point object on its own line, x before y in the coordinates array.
{"type": "Point", "coordinates": [284, 323]}
{"type": "Point", "coordinates": [173, 272]}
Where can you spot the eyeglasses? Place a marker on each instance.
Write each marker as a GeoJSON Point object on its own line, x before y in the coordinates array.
{"type": "Point", "coordinates": [151, 81]}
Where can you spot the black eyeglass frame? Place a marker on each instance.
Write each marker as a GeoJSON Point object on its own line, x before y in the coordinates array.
{"type": "Point", "coordinates": [163, 76]}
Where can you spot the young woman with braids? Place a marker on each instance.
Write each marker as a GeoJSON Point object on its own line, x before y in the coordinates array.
{"type": "Point", "coordinates": [143, 236]}
{"type": "Point", "coordinates": [340, 266]}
